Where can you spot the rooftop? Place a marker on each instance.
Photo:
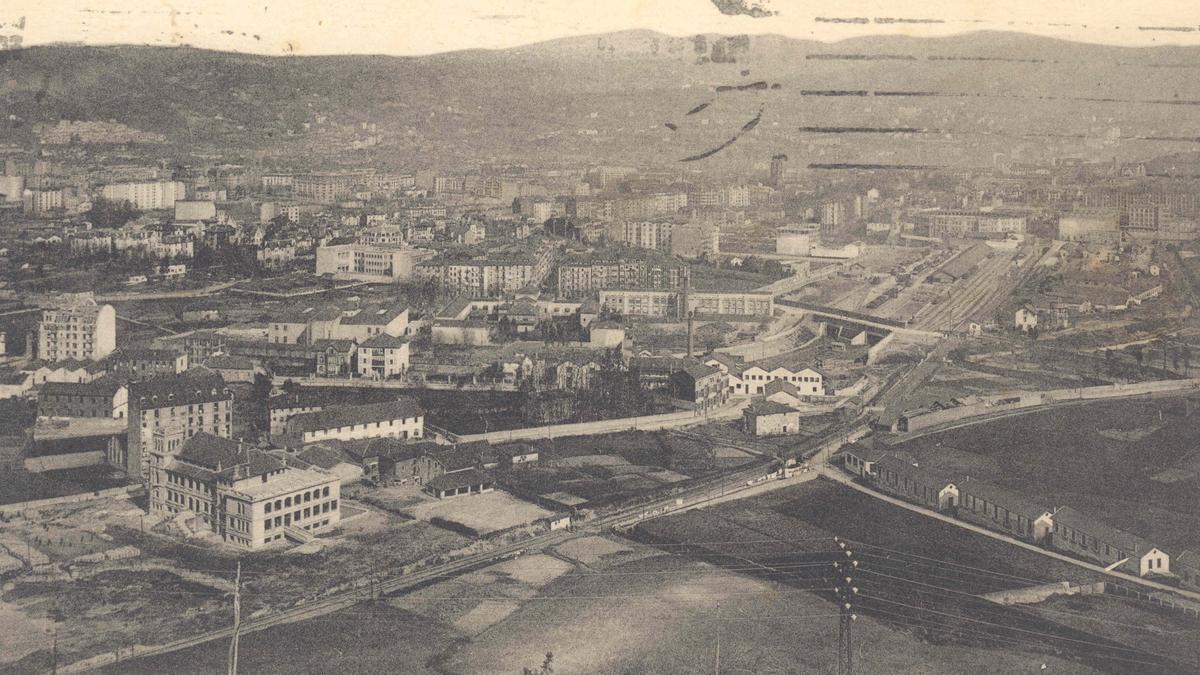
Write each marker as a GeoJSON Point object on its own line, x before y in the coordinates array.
{"type": "Point", "coordinates": [336, 417]}
{"type": "Point", "coordinates": [460, 479]}
{"type": "Point", "coordinates": [769, 408]}
{"type": "Point", "coordinates": [291, 480]}
{"type": "Point", "coordinates": [1102, 531]}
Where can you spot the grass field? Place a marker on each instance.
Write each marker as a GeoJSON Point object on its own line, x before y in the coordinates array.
{"type": "Point", "coordinates": [916, 573]}
{"type": "Point", "coordinates": [1129, 463]}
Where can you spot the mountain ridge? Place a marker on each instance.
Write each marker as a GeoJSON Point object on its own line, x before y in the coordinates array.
{"type": "Point", "coordinates": [610, 98]}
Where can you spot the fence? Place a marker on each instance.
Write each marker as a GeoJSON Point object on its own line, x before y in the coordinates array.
{"type": "Point", "coordinates": [644, 423]}
{"type": "Point", "coordinates": [1186, 609]}
{"type": "Point", "coordinates": [68, 499]}
{"type": "Point", "coordinates": [1030, 399]}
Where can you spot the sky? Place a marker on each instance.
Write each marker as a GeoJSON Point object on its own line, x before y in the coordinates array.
{"type": "Point", "coordinates": [412, 27]}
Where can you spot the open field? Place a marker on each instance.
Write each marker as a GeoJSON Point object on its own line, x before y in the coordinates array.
{"type": "Point", "coordinates": [656, 614]}
{"type": "Point", "coordinates": [1130, 463]}
{"type": "Point", "coordinates": [599, 470]}
{"type": "Point", "coordinates": [168, 587]}
{"type": "Point", "coordinates": [483, 513]}
{"type": "Point", "coordinates": [913, 572]}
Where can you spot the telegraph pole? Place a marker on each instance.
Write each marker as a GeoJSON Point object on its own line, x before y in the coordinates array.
{"type": "Point", "coordinates": [846, 592]}
{"type": "Point", "coordinates": [237, 620]}
{"type": "Point", "coordinates": [718, 665]}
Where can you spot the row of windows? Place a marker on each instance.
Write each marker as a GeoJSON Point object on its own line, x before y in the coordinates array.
{"type": "Point", "coordinates": [787, 378]}
{"type": "Point", "coordinates": [191, 503]}
{"type": "Point", "coordinates": [189, 483]}
{"type": "Point", "coordinates": [300, 514]}
{"type": "Point", "coordinates": [306, 496]}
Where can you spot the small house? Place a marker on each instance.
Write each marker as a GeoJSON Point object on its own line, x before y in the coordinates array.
{"type": "Point", "coordinates": [465, 482]}
{"type": "Point", "coordinates": [768, 418]}
{"type": "Point", "coordinates": [1086, 537]}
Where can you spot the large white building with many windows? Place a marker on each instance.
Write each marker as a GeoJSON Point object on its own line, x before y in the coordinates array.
{"type": "Point", "coordinates": [77, 328]}
{"type": "Point", "coordinates": [249, 498]}
{"type": "Point", "coordinates": [146, 195]}
{"type": "Point", "coordinates": [369, 262]}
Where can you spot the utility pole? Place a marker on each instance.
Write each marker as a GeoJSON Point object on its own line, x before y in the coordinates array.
{"type": "Point", "coordinates": [846, 593]}
{"type": "Point", "coordinates": [237, 620]}
{"type": "Point", "coordinates": [718, 666]}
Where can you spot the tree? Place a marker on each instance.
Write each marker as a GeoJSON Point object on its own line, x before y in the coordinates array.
{"type": "Point", "coordinates": [110, 214]}
{"type": "Point", "coordinates": [546, 669]}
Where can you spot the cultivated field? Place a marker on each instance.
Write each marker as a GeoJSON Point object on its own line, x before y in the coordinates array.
{"type": "Point", "coordinates": [1133, 464]}
{"type": "Point", "coordinates": [915, 573]}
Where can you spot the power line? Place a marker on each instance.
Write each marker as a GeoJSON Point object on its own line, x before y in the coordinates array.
{"type": "Point", "coordinates": [237, 620]}
{"type": "Point", "coordinates": [846, 593]}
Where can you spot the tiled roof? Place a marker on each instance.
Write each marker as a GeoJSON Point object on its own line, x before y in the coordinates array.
{"type": "Point", "coordinates": [105, 386]}
{"type": "Point", "coordinates": [385, 341]}
{"type": "Point", "coordinates": [769, 408]}
{"type": "Point", "coordinates": [1076, 520]}
{"type": "Point", "coordinates": [460, 479]}
{"type": "Point", "coordinates": [211, 452]}
{"type": "Point", "coordinates": [185, 388]}
{"type": "Point", "coordinates": [994, 494]}
{"type": "Point", "coordinates": [345, 416]}
{"type": "Point", "coordinates": [373, 316]}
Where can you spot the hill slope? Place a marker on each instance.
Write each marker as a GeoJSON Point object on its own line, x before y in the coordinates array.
{"type": "Point", "coordinates": [609, 98]}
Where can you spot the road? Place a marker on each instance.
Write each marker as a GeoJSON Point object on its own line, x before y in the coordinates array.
{"type": "Point", "coordinates": [134, 296]}
{"type": "Point", "coordinates": [836, 475]}
{"type": "Point", "coordinates": [751, 480]}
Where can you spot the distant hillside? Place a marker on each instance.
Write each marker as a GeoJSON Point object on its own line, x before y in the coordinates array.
{"type": "Point", "coordinates": [609, 98]}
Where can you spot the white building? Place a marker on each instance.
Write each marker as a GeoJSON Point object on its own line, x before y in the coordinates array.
{"type": "Point", "coordinates": [246, 496]}
{"type": "Point", "coordinates": [148, 195]}
{"type": "Point", "coordinates": [78, 328]}
{"type": "Point", "coordinates": [383, 356]}
{"type": "Point", "coordinates": [367, 262]}
{"type": "Point", "coordinates": [403, 419]}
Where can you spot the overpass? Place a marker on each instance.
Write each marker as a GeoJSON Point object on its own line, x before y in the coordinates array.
{"type": "Point", "coordinates": [845, 318]}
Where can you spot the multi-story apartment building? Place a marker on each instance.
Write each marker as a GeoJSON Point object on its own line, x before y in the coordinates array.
{"type": "Point", "coordinates": [88, 243]}
{"type": "Point", "coordinates": [583, 276]}
{"type": "Point", "coordinates": [146, 363]}
{"type": "Point", "coordinates": [42, 201]}
{"type": "Point", "coordinates": [78, 328]}
{"type": "Point", "coordinates": [659, 303]}
{"type": "Point", "coordinates": [403, 419]}
{"type": "Point", "coordinates": [383, 356]}
{"type": "Point", "coordinates": [492, 275]}
{"type": "Point", "coordinates": [323, 187]}
{"type": "Point", "coordinates": [194, 403]}
{"type": "Point", "coordinates": [105, 398]}
{"type": "Point", "coordinates": [146, 195]}
{"type": "Point", "coordinates": [974, 223]}
{"type": "Point", "coordinates": [249, 498]}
